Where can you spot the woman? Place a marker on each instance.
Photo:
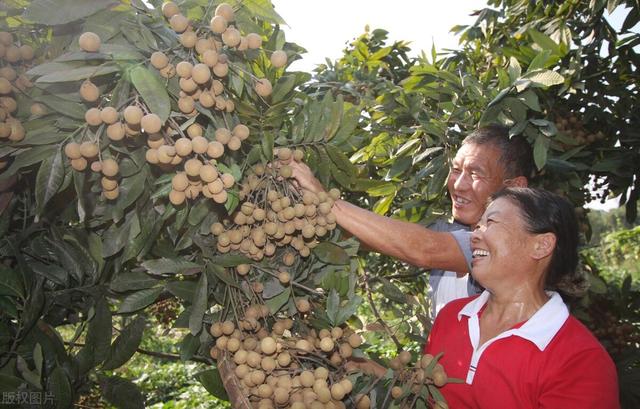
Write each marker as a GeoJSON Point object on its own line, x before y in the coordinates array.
{"type": "Point", "coordinates": [516, 345]}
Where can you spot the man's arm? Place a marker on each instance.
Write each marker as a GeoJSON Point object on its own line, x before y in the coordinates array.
{"type": "Point", "coordinates": [409, 242]}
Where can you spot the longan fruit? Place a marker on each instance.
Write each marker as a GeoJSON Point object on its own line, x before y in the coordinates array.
{"type": "Point", "coordinates": [111, 194]}
{"type": "Point", "coordinates": [208, 173]}
{"type": "Point", "coordinates": [201, 73]}
{"type": "Point", "coordinates": [327, 344]}
{"type": "Point", "coordinates": [228, 327]}
{"type": "Point", "coordinates": [396, 391]}
{"type": "Point", "coordinates": [284, 277]}
{"type": "Point", "coordinates": [89, 91]}
{"type": "Point", "coordinates": [234, 143]}
{"type": "Point", "coordinates": [221, 69]}
{"type": "Point", "coordinates": [109, 115]}
{"type": "Point", "coordinates": [186, 105]}
{"type": "Point", "coordinates": [89, 42]}
{"type": "Point", "coordinates": [337, 391]}
{"type": "Point", "coordinates": [192, 167]}
{"type": "Point", "coordinates": [220, 197]}
{"type": "Point", "coordinates": [180, 182]}
{"type": "Point", "coordinates": [231, 37]}
{"type": "Point", "coordinates": [362, 401]}
{"type": "Point", "coordinates": [210, 58]}
{"type": "Point", "coordinates": [200, 144]}
{"type": "Point", "coordinates": [179, 23]}
{"type": "Point", "coordinates": [298, 155]}
{"type": "Point", "coordinates": [439, 377]}
{"type": "Point", "coordinates": [268, 346]}
{"type": "Point", "coordinates": [79, 164]}
{"type": "Point", "coordinates": [107, 183]}
{"type": "Point", "coordinates": [254, 41]}
{"type": "Point", "coordinates": [96, 167]}
{"type": "Point", "coordinates": [355, 340]}
{"type": "Point", "coordinates": [303, 305]}
{"type": "Point", "coordinates": [151, 123]}
{"type": "Point", "coordinates": [151, 156]}
{"type": "Point", "coordinates": [225, 10]}
{"type": "Point", "coordinates": [168, 72]}
{"type": "Point", "coordinates": [284, 153]}
{"type": "Point", "coordinates": [170, 9]}
{"type": "Point", "coordinates": [194, 130]}
{"type": "Point", "coordinates": [133, 115]}
{"type": "Point", "coordinates": [188, 39]}
{"type": "Point", "coordinates": [109, 167]}
{"type": "Point", "coordinates": [92, 117]}
{"type": "Point", "coordinates": [216, 186]}
{"type": "Point", "coordinates": [206, 99]}
{"type": "Point", "coordinates": [8, 73]}
{"type": "Point", "coordinates": [72, 150]}
{"type": "Point", "coordinates": [215, 149]}
{"type": "Point", "coordinates": [263, 87]}
{"type": "Point", "coordinates": [9, 104]}
{"type": "Point", "coordinates": [12, 54]}
{"type": "Point", "coordinates": [159, 60]}
{"type": "Point", "coordinates": [89, 149]}
{"type": "Point", "coordinates": [183, 147]}
{"type": "Point", "coordinates": [278, 59]}
{"type": "Point", "coordinates": [230, 106]}
{"type": "Point", "coordinates": [307, 379]}
{"type": "Point", "coordinates": [217, 229]}
{"type": "Point", "coordinates": [218, 24]}
{"type": "Point", "coordinates": [184, 69]}
{"type": "Point", "coordinates": [227, 180]}
{"type": "Point", "coordinates": [5, 86]}
{"type": "Point", "coordinates": [177, 198]}
{"type": "Point", "coordinates": [116, 131]}
{"type": "Point", "coordinates": [6, 38]}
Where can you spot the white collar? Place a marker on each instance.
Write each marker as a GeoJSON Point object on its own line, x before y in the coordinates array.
{"type": "Point", "coordinates": [540, 328]}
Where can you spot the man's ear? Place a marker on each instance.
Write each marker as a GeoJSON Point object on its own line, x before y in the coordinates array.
{"type": "Point", "coordinates": [518, 181]}
{"type": "Point", "coordinates": [544, 244]}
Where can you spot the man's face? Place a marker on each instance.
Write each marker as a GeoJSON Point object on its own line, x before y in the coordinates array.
{"type": "Point", "coordinates": [476, 173]}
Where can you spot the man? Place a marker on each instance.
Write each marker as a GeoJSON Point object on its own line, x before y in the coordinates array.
{"type": "Point", "coordinates": [487, 161]}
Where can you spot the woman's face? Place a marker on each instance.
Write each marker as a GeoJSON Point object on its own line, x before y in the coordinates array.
{"type": "Point", "coordinates": [501, 246]}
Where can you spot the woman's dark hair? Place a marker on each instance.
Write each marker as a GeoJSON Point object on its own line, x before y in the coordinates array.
{"type": "Point", "coordinates": [546, 212]}
{"type": "Point", "coordinates": [515, 152]}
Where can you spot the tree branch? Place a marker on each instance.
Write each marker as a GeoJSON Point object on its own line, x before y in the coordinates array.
{"type": "Point", "coordinates": [375, 312]}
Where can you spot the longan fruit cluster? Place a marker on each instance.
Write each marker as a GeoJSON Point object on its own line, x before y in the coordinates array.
{"type": "Point", "coordinates": [14, 58]}
{"type": "Point", "coordinates": [279, 369]}
{"type": "Point", "coordinates": [275, 215]}
{"type": "Point", "coordinates": [615, 334]}
{"type": "Point", "coordinates": [197, 82]}
{"type": "Point", "coordinates": [426, 371]}
{"type": "Point", "coordinates": [574, 128]}
{"type": "Point", "coordinates": [82, 154]}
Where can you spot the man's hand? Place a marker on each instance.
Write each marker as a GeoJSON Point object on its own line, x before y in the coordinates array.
{"type": "Point", "coordinates": [305, 178]}
{"type": "Point", "coordinates": [366, 366]}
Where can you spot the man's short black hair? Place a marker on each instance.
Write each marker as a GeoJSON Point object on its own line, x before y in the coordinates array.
{"type": "Point", "coordinates": [516, 157]}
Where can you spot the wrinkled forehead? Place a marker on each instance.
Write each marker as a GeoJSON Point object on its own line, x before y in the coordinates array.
{"type": "Point", "coordinates": [485, 156]}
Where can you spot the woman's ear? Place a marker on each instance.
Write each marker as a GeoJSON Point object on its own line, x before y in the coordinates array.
{"type": "Point", "coordinates": [544, 244]}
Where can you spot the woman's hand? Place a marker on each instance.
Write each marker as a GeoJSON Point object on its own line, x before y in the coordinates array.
{"type": "Point", "coordinates": [366, 366]}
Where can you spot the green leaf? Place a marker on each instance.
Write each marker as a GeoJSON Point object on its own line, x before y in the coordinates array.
{"type": "Point", "coordinates": [540, 61]}
{"type": "Point", "coordinates": [139, 300]}
{"type": "Point", "coordinates": [76, 74]}
{"type": "Point", "coordinates": [126, 344]}
{"type": "Point", "coordinates": [212, 382]}
{"type": "Point", "coordinates": [333, 303]}
{"type": "Point", "coordinates": [68, 108]}
{"type": "Point", "coordinates": [10, 282]}
{"type": "Point", "coordinates": [152, 90]}
{"type": "Point", "coordinates": [188, 347]}
{"type": "Point", "coordinates": [60, 387]}
{"type": "Point", "coordinates": [267, 145]}
{"type": "Point", "coordinates": [98, 338]}
{"type": "Point", "coordinates": [544, 78]}
{"type": "Point", "coordinates": [514, 69]}
{"type": "Point", "coordinates": [392, 292]}
{"type": "Point", "coordinates": [540, 148]}
{"type": "Point", "coordinates": [132, 280]}
{"type": "Point", "coordinates": [331, 253]}
{"type": "Point", "coordinates": [230, 260]}
{"type": "Point", "coordinates": [277, 302]}
{"type": "Point", "coordinates": [27, 158]}
{"type": "Point", "coordinates": [199, 305]}
{"type": "Point", "coordinates": [171, 266]}
{"type": "Point", "coordinates": [345, 312]}
{"type": "Point", "coordinates": [383, 204]}
{"type": "Point", "coordinates": [48, 180]}
{"type": "Point", "coordinates": [283, 86]}
{"type": "Point", "coordinates": [341, 160]}
{"type": "Point", "coordinates": [263, 9]}
{"type": "Point", "coordinates": [56, 12]}
{"type": "Point", "coordinates": [544, 41]}
{"type": "Point", "coordinates": [121, 393]}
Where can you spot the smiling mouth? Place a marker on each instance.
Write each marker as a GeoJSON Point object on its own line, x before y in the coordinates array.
{"type": "Point", "coordinates": [460, 201]}
{"type": "Point", "coordinates": [479, 253]}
